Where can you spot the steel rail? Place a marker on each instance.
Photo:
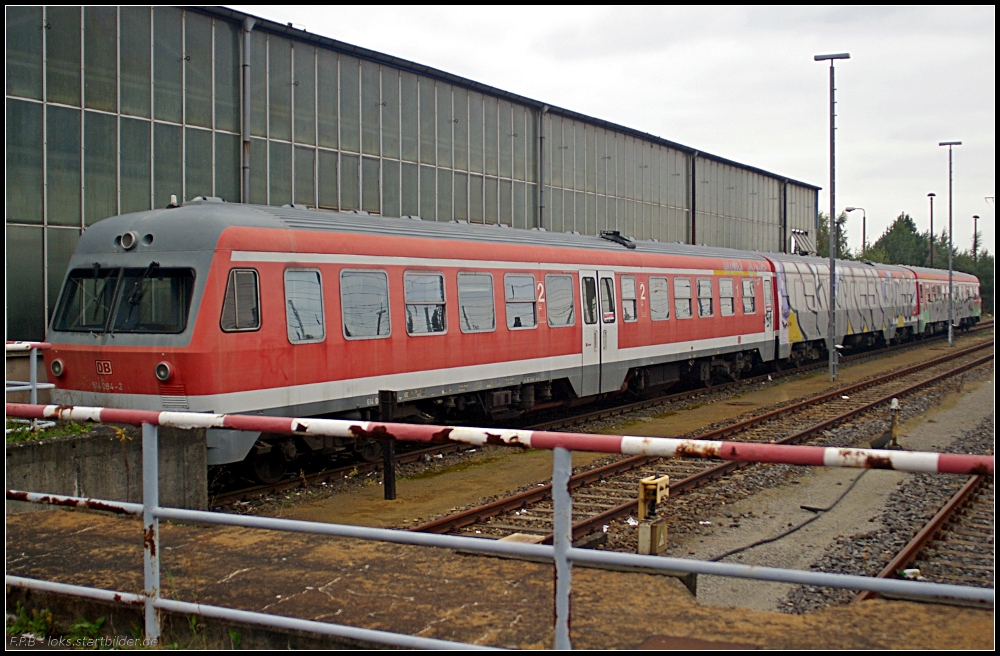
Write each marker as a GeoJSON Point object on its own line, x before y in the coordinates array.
{"type": "Point", "coordinates": [924, 536]}
{"type": "Point", "coordinates": [585, 526]}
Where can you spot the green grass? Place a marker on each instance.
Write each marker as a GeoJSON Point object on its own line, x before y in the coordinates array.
{"type": "Point", "coordinates": [19, 432]}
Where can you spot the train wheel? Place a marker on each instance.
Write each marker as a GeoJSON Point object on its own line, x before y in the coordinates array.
{"type": "Point", "coordinates": [269, 467]}
{"type": "Point", "coordinates": [369, 450]}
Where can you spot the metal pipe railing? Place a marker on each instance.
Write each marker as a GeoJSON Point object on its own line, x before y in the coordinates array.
{"type": "Point", "coordinates": [561, 553]}
{"type": "Point", "coordinates": [32, 386]}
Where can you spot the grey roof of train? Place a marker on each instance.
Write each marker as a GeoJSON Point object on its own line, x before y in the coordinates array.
{"type": "Point", "coordinates": [196, 226]}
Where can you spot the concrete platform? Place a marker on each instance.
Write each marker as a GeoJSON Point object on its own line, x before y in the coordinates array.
{"type": "Point", "coordinates": [442, 594]}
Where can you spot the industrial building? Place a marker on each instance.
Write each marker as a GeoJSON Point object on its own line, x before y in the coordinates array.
{"type": "Point", "coordinates": [120, 109]}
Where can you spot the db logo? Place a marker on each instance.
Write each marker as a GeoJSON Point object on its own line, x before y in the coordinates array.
{"type": "Point", "coordinates": [104, 367]}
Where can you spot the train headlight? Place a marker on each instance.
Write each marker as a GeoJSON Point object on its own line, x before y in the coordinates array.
{"type": "Point", "coordinates": [57, 368]}
{"type": "Point", "coordinates": [163, 372]}
{"type": "Point", "coordinates": [128, 240]}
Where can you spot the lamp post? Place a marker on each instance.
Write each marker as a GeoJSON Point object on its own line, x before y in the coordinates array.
{"type": "Point", "coordinates": [951, 272]}
{"type": "Point", "coordinates": [931, 196]}
{"type": "Point", "coordinates": [864, 219]}
{"type": "Point", "coordinates": [831, 331]}
{"type": "Point", "coordinates": [975, 237]}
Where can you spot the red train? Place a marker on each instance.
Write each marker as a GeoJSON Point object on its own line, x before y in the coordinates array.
{"type": "Point", "coordinates": [296, 312]}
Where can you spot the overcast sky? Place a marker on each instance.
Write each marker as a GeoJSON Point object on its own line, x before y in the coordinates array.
{"type": "Point", "coordinates": [741, 83]}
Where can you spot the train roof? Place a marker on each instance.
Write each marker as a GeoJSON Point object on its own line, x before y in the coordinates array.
{"type": "Point", "coordinates": [941, 274]}
{"type": "Point", "coordinates": [197, 225]}
{"type": "Point", "coordinates": [824, 262]}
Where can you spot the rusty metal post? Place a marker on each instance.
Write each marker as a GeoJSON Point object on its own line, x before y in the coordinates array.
{"type": "Point", "coordinates": [387, 412]}
{"type": "Point", "coordinates": [151, 528]}
{"type": "Point", "coordinates": [562, 540]}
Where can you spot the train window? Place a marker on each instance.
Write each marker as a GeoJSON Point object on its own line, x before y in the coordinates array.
{"type": "Point", "coordinates": [241, 307]}
{"type": "Point", "coordinates": [364, 300]}
{"type": "Point", "coordinates": [607, 300]}
{"type": "Point", "coordinates": [304, 306]}
{"type": "Point", "coordinates": [559, 292]}
{"type": "Point", "coordinates": [519, 292]}
{"type": "Point", "coordinates": [705, 297]}
{"type": "Point", "coordinates": [682, 298]}
{"type": "Point", "coordinates": [589, 301]}
{"type": "Point", "coordinates": [87, 299]}
{"type": "Point", "coordinates": [726, 294]}
{"type": "Point", "coordinates": [749, 297]}
{"type": "Point", "coordinates": [629, 312]}
{"type": "Point", "coordinates": [659, 299]}
{"type": "Point", "coordinates": [476, 312]}
{"type": "Point", "coordinates": [425, 306]}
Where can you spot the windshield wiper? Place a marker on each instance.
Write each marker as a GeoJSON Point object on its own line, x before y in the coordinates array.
{"type": "Point", "coordinates": [133, 299]}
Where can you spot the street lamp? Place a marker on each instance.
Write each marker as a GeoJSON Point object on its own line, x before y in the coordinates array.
{"type": "Point", "coordinates": [931, 196]}
{"type": "Point", "coordinates": [864, 219]}
{"type": "Point", "coordinates": [831, 331]}
{"type": "Point", "coordinates": [951, 272]}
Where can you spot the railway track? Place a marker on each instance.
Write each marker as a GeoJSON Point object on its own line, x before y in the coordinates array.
{"type": "Point", "coordinates": [609, 492]}
{"type": "Point", "coordinates": [304, 479]}
{"type": "Point", "coordinates": [956, 546]}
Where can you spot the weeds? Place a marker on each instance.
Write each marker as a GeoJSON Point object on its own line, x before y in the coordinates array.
{"type": "Point", "coordinates": [18, 432]}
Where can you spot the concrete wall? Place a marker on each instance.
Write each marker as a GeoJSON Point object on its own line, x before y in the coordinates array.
{"type": "Point", "coordinates": [102, 466]}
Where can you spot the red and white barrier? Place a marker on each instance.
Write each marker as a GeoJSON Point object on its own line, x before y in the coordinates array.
{"type": "Point", "coordinates": [17, 347]}
{"type": "Point", "coordinates": [942, 463]}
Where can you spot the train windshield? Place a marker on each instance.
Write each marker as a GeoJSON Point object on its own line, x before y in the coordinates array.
{"type": "Point", "coordinates": [150, 300]}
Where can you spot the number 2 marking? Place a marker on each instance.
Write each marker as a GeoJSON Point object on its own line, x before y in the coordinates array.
{"type": "Point", "coordinates": [642, 291]}
{"type": "Point", "coordinates": [541, 293]}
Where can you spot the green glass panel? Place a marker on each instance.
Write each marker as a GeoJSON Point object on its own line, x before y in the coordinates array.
{"type": "Point", "coordinates": [100, 170]}
{"type": "Point", "coordinates": [555, 138]}
{"type": "Point", "coordinates": [602, 162]}
{"type": "Point", "coordinates": [167, 164]}
{"type": "Point", "coordinates": [427, 122]}
{"type": "Point", "coordinates": [390, 112]}
{"type": "Point", "coordinates": [390, 187]}
{"type": "Point", "coordinates": [520, 139]}
{"type": "Point", "coordinates": [258, 83]}
{"type": "Point", "coordinates": [350, 110]}
{"type": "Point", "coordinates": [621, 170]}
{"type": "Point", "coordinates": [258, 171]}
{"type": "Point", "coordinates": [63, 152]}
{"type": "Point", "coordinates": [520, 211]}
{"type": "Point", "coordinates": [349, 183]}
{"type": "Point", "coordinates": [197, 163]}
{"type": "Point", "coordinates": [100, 29]}
{"type": "Point", "coordinates": [507, 133]}
{"type": "Point", "coordinates": [476, 199]}
{"type": "Point", "coordinates": [198, 69]}
{"type": "Point", "coordinates": [62, 44]}
{"type": "Point", "coordinates": [462, 196]}
{"type": "Point", "coordinates": [280, 173]}
{"type": "Point", "coordinates": [506, 215]}
{"type": "Point", "coordinates": [227, 76]}
{"type": "Point", "coordinates": [24, 52]}
{"type": "Point", "coordinates": [591, 158]}
{"type": "Point", "coordinates": [409, 116]}
{"type": "Point", "coordinates": [135, 162]}
{"type": "Point", "coordinates": [490, 134]}
{"type": "Point", "coordinates": [530, 145]}
{"type": "Point", "coordinates": [168, 57]}
{"type": "Point", "coordinates": [279, 53]}
{"type": "Point", "coordinates": [444, 182]}
{"type": "Point", "coordinates": [24, 162]}
{"type": "Point", "coordinates": [227, 166]}
{"type": "Point", "coordinates": [371, 194]}
{"type": "Point", "coordinates": [428, 193]}
{"type": "Point", "coordinates": [491, 201]}
{"type": "Point", "coordinates": [556, 221]}
{"type": "Point", "coordinates": [460, 98]}
{"type": "Point", "coordinates": [370, 108]}
{"type": "Point", "coordinates": [135, 31]}
{"type": "Point", "coordinates": [445, 125]}
{"type": "Point", "coordinates": [580, 155]}
{"type": "Point", "coordinates": [591, 203]}
{"type": "Point", "coordinates": [328, 179]}
{"type": "Point", "coordinates": [25, 287]}
{"type": "Point", "coordinates": [532, 205]}
{"type": "Point", "coordinates": [304, 86]}
{"type": "Point", "coordinates": [61, 242]}
{"type": "Point", "coordinates": [327, 99]}
{"type": "Point", "coordinates": [305, 169]}
{"type": "Point", "coordinates": [410, 190]}
{"type": "Point", "coordinates": [476, 132]}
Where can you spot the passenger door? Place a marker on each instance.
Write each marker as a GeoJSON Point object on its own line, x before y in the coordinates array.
{"type": "Point", "coordinates": [591, 347]}
{"type": "Point", "coordinates": [611, 378]}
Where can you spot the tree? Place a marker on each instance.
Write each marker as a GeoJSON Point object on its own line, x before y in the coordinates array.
{"type": "Point", "coordinates": [900, 244]}
{"type": "Point", "coordinates": [823, 236]}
